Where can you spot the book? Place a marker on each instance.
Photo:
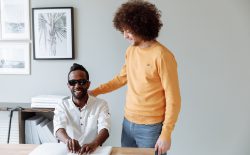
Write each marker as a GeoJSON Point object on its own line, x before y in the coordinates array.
{"type": "Point", "coordinates": [43, 105]}
{"type": "Point", "coordinates": [47, 129]}
{"type": "Point", "coordinates": [47, 101]}
{"type": "Point", "coordinates": [104, 150]}
{"type": "Point", "coordinates": [33, 137]}
{"type": "Point", "coordinates": [27, 131]}
{"type": "Point", "coordinates": [42, 136]}
{"type": "Point", "coordinates": [61, 149]}
{"type": "Point", "coordinates": [50, 149]}
{"type": "Point", "coordinates": [49, 98]}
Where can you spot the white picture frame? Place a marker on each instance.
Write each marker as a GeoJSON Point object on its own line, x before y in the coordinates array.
{"type": "Point", "coordinates": [53, 35]}
{"type": "Point", "coordinates": [14, 58]}
{"type": "Point", "coordinates": [15, 20]}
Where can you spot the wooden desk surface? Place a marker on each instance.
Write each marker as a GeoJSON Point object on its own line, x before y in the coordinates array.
{"type": "Point", "coordinates": [25, 149]}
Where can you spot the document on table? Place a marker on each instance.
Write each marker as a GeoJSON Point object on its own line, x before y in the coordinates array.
{"type": "Point", "coordinates": [61, 149]}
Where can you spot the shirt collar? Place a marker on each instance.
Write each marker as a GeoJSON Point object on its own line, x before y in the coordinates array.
{"type": "Point", "coordinates": [89, 102]}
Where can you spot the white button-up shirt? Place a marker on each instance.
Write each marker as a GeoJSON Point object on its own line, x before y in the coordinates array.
{"type": "Point", "coordinates": [84, 124]}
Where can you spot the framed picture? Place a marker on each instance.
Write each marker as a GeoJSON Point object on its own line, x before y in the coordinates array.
{"type": "Point", "coordinates": [14, 58]}
{"type": "Point", "coordinates": [15, 20]}
{"type": "Point", "coordinates": [53, 35]}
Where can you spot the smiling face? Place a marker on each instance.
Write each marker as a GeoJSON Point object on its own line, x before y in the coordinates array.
{"type": "Point", "coordinates": [133, 39]}
{"type": "Point", "coordinates": [78, 84]}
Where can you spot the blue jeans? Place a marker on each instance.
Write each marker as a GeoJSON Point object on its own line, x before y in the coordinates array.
{"type": "Point", "coordinates": [140, 135]}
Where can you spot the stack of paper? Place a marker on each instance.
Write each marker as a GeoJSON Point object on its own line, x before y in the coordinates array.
{"type": "Point", "coordinates": [47, 101]}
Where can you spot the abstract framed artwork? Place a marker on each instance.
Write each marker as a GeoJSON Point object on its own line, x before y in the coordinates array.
{"type": "Point", "coordinates": [15, 20]}
{"type": "Point", "coordinates": [14, 58]}
{"type": "Point", "coordinates": [53, 33]}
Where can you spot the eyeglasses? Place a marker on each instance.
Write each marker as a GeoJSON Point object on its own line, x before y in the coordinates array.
{"type": "Point", "coordinates": [80, 82]}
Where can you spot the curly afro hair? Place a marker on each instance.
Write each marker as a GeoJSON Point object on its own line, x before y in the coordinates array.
{"type": "Point", "coordinates": [140, 17]}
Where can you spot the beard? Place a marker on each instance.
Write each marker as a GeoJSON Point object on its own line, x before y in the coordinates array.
{"type": "Point", "coordinates": [79, 94]}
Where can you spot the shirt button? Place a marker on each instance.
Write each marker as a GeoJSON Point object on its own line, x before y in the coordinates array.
{"type": "Point", "coordinates": [81, 124]}
{"type": "Point", "coordinates": [80, 117]}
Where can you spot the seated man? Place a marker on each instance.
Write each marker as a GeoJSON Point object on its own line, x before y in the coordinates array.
{"type": "Point", "coordinates": [82, 122]}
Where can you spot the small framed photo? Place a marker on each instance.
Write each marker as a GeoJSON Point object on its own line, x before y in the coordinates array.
{"type": "Point", "coordinates": [14, 58]}
{"type": "Point", "coordinates": [15, 20]}
{"type": "Point", "coordinates": [53, 35]}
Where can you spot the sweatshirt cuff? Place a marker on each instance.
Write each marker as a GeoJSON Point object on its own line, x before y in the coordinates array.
{"type": "Point", "coordinates": [165, 135]}
{"type": "Point", "coordinates": [96, 92]}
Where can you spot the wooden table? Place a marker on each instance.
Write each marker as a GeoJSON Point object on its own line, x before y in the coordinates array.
{"type": "Point", "coordinates": [25, 149]}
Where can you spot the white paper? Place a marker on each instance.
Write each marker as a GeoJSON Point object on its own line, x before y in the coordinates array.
{"type": "Point", "coordinates": [61, 149]}
{"type": "Point", "coordinates": [50, 149]}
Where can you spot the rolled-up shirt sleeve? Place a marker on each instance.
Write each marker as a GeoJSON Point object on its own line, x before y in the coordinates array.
{"type": "Point", "coordinates": [104, 121]}
{"type": "Point", "coordinates": [60, 119]}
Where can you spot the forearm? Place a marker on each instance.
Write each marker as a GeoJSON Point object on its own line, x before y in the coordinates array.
{"type": "Point", "coordinates": [170, 83]}
{"type": "Point", "coordinates": [62, 135]}
{"type": "Point", "coordinates": [173, 105]}
{"type": "Point", "coordinates": [101, 137]}
{"type": "Point", "coordinates": [112, 85]}
{"type": "Point", "coordinates": [117, 82]}
{"type": "Point", "coordinates": [171, 116]}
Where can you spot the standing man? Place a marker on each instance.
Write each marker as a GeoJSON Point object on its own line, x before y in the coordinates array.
{"type": "Point", "coordinates": [150, 72]}
{"type": "Point", "coordinates": [82, 122]}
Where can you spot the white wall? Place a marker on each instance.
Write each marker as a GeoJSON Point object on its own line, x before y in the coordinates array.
{"type": "Point", "coordinates": [211, 42]}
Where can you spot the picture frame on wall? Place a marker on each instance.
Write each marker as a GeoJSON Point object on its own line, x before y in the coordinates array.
{"type": "Point", "coordinates": [15, 20]}
{"type": "Point", "coordinates": [14, 58]}
{"type": "Point", "coordinates": [53, 33]}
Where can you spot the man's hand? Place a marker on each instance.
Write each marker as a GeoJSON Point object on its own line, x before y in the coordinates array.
{"type": "Point", "coordinates": [88, 148]}
{"type": "Point", "coordinates": [73, 145]}
{"type": "Point", "coordinates": [98, 141]}
{"type": "Point", "coordinates": [91, 93]}
{"type": "Point", "coordinates": [162, 146]}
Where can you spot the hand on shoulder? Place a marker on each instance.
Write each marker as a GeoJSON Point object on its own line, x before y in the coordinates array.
{"type": "Point", "coordinates": [90, 92]}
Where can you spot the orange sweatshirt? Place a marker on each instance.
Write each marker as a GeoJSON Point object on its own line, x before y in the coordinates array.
{"type": "Point", "coordinates": [153, 94]}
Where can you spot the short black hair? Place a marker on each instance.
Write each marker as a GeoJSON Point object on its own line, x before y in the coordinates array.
{"type": "Point", "coordinates": [140, 17]}
{"type": "Point", "coordinates": [76, 66]}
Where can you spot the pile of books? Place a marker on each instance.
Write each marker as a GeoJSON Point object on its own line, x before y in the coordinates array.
{"type": "Point", "coordinates": [46, 101]}
{"type": "Point", "coordinates": [39, 130]}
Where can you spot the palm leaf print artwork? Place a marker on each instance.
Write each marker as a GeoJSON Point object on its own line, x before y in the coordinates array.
{"type": "Point", "coordinates": [52, 28]}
